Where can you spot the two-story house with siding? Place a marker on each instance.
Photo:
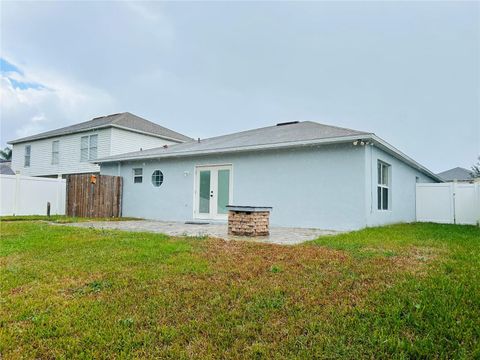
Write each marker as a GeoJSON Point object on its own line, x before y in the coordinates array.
{"type": "Point", "coordinates": [71, 149]}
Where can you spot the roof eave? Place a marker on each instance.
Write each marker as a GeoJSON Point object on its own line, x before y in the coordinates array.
{"type": "Point", "coordinates": [285, 145]}
{"type": "Point", "coordinates": [400, 155]}
{"type": "Point", "coordinates": [24, 140]}
{"type": "Point", "coordinates": [335, 140]}
{"type": "Point", "coordinates": [150, 134]}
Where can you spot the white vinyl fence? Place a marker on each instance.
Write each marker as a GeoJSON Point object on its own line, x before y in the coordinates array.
{"type": "Point", "coordinates": [449, 203]}
{"type": "Point", "coordinates": [25, 195]}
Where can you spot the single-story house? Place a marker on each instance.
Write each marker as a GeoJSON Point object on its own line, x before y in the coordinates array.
{"type": "Point", "coordinates": [312, 175]}
{"type": "Point", "coordinates": [458, 174]}
{"type": "Point", "coordinates": [71, 149]}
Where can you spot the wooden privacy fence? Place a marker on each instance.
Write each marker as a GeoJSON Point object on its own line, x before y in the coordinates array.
{"type": "Point", "coordinates": [94, 195]}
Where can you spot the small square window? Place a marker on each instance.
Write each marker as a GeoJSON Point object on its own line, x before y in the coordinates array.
{"type": "Point", "coordinates": [138, 175]}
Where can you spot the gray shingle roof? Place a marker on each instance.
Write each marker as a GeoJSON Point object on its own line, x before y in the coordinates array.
{"type": "Point", "coordinates": [123, 120]}
{"type": "Point", "coordinates": [457, 173]}
{"type": "Point", "coordinates": [267, 137]}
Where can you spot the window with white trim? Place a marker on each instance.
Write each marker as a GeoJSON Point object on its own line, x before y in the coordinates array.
{"type": "Point", "coordinates": [55, 151]}
{"type": "Point", "coordinates": [28, 153]}
{"type": "Point", "coordinates": [137, 176]}
{"type": "Point", "coordinates": [88, 147]}
{"type": "Point", "coordinates": [383, 187]}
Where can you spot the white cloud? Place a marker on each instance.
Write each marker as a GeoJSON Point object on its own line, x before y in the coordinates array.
{"type": "Point", "coordinates": [26, 111]}
{"type": "Point", "coordinates": [87, 69]}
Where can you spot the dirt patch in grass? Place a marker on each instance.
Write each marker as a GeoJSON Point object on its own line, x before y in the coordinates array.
{"type": "Point", "coordinates": [308, 274]}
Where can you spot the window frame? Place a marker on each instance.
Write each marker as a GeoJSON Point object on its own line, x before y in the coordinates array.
{"type": "Point", "coordinates": [160, 175]}
{"type": "Point", "coordinates": [27, 156]}
{"type": "Point", "coordinates": [90, 147]}
{"type": "Point", "coordinates": [55, 152]}
{"type": "Point", "coordinates": [384, 184]}
{"type": "Point", "coordinates": [88, 150]}
{"type": "Point", "coordinates": [137, 176]}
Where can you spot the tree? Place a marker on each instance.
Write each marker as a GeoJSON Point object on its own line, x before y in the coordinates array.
{"type": "Point", "coordinates": [6, 154]}
{"type": "Point", "coordinates": [476, 169]}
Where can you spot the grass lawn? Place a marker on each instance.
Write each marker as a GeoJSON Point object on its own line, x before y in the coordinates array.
{"type": "Point", "coordinates": [403, 291]}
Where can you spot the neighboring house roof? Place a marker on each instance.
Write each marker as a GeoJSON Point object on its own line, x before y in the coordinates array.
{"type": "Point", "coordinates": [124, 120]}
{"type": "Point", "coordinates": [283, 135]}
{"type": "Point", "coordinates": [457, 173]}
{"type": "Point", "coordinates": [5, 168]}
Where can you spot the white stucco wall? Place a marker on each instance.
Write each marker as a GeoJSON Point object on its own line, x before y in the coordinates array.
{"type": "Point", "coordinates": [319, 187]}
{"type": "Point", "coordinates": [330, 187]}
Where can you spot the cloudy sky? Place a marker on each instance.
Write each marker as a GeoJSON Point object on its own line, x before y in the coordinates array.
{"type": "Point", "coordinates": [410, 72]}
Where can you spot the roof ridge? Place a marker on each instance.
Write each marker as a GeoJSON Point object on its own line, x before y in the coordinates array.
{"type": "Point", "coordinates": [121, 116]}
{"type": "Point", "coordinates": [111, 120]}
{"type": "Point", "coordinates": [136, 117]}
{"type": "Point", "coordinates": [275, 126]}
{"type": "Point", "coordinates": [337, 127]}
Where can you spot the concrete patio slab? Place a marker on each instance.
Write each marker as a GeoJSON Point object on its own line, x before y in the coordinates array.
{"type": "Point", "coordinates": [278, 235]}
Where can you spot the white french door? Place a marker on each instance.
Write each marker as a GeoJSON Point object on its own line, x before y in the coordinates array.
{"type": "Point", "coordinates": [213, 191]}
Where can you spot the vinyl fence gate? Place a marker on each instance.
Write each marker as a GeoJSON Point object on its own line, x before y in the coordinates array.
{"type": "Point", "coordinates": [448, 203]}
{"type": "Point", "coordinates": [91, 195]}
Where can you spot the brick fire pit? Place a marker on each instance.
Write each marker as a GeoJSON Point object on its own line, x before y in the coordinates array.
{"type": "Point", "coordinates": [248, 220]}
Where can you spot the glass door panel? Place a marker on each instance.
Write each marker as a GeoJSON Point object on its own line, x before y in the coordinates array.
{"type": "Point", "coordinates": [223, 191]}
{"type": "Point", "coordinates": [204, 205]}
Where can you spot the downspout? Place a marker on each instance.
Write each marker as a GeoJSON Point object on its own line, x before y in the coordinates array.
{"type": "Point", "coordinates": [368, 184]}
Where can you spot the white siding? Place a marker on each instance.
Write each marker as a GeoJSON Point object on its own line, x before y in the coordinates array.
{"type": "Point", "coordinates": [123, 141]}
{"type": "Point", "coordinates": [111, 141]}
{"type": "Point", "coordinates": [69, 155]}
